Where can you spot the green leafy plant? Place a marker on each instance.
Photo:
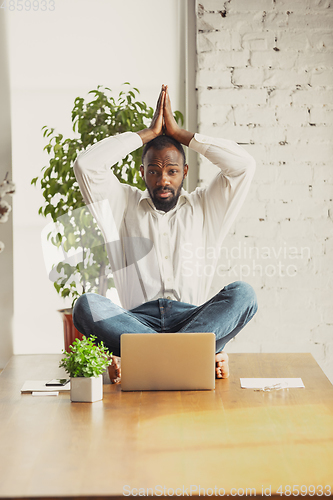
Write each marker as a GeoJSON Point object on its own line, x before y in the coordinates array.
{"type": "Point", "coordinates": [75, 231]}
{"type": "Point", "coordinates": [86, 359]}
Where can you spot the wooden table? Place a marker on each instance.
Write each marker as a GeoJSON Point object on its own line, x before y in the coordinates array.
{"type": "Point", "coordinates": [230, 438]}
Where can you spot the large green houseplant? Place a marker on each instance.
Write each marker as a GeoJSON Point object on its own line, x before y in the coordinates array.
{"type": "Point", "coordinates": [85, 267]}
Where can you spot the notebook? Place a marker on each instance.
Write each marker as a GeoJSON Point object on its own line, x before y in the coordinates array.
{"type": "Point", "coordinates": [39, 386]}
{"type": "Point", "coordinates": [167, 361]}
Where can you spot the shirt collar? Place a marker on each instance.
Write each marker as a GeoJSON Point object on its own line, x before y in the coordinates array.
{"type": "Point", "coordinates": [184, 196]}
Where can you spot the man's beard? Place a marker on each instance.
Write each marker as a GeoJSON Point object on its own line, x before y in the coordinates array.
{"type": "Point", "coordinates": [170, 202]}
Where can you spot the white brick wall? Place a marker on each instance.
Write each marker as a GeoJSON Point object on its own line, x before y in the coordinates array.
{"type": "Point", "coordinates": [265, 79]}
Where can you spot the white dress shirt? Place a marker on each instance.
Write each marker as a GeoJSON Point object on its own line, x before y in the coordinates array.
{"type": "Point", "coordinates": [156, 254]}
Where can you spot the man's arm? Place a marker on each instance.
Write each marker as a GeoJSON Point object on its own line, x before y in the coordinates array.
{"type": "Point", "coordinates": [226, 193]}
{"type": "Point", "coordinates": [98, 184]}
{"type": "Point", "coordinates": [92, 169]}
{"type": "Point", "coordinates": [156, 126]}
{"type": "Point", "coordinates": [164, 121]}
{"type": "Point", "coordinates": [223, 198]}
{"type": "Point", "coordinates": [171, 127]}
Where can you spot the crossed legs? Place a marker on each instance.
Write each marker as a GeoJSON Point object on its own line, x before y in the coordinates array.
{"type": "Point", "coordinates": [225, 315]}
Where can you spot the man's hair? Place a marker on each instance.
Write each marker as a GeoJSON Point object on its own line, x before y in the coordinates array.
{"type": "Point", "coordinates": [162, 142]}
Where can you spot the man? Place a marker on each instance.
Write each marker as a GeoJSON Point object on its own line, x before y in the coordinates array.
{"type": "Point", "coordinates": [163, 243]}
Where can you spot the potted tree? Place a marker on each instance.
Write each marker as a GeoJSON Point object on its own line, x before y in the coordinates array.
{"type": "Point", "coordinates": [85, 267]}
{"type": "Point", "coordinates": [85, 363]}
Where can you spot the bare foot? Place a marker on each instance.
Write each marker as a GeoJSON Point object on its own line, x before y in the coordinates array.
{"type": "Point", "coordinates": [115, 370]}
{"type": "Point", "coordinates": [222, 365]}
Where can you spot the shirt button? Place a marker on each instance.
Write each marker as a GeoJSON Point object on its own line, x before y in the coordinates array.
{"type": "Point", "coordinates": [166, 257]}
{"type": "Point", "coordinates": [165, 234]}
{"type": "Point", "coordinates": [168, 297]}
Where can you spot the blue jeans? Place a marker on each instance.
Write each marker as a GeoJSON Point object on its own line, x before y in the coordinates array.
{"type": "Point", "coordinates": [225, 315]}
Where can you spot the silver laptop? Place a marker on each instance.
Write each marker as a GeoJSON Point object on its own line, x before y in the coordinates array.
{"type": "Point", "coordinates": [167, 361]}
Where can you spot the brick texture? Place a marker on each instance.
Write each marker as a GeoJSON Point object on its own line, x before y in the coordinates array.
{"type": "Point", "coordinates": [265, 80]}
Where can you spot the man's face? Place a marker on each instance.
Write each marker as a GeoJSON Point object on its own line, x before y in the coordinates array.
{"type": "Point", "coordinates": [163, 172]}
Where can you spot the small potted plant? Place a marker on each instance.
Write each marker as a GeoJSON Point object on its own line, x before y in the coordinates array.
{"type": "Point", "coordinates": [85, 363]}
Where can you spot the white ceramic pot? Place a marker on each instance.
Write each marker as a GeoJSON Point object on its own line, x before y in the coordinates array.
{"type": "Point", "coordinates": [86, 389]}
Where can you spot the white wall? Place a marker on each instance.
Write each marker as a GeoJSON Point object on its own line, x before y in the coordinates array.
{"type": "Point", "coordinates": [56, 56]}
{"type": "Point", "coordinates": [265, 79]}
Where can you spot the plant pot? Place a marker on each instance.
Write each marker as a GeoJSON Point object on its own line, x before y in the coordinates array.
{"type": "Point", "coordinates": [86, 389]}
{"type": "Point", "coordinates": [70, 332]}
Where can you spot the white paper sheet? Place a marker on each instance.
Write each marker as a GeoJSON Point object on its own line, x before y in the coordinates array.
{"type": "Point", "coordinates": [48, 393]}
{"type": "Point", "coordinates": [264, 383]}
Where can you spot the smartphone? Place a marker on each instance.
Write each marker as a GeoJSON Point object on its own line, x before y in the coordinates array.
{"type": "Point", "coordinates": [58, 381]}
